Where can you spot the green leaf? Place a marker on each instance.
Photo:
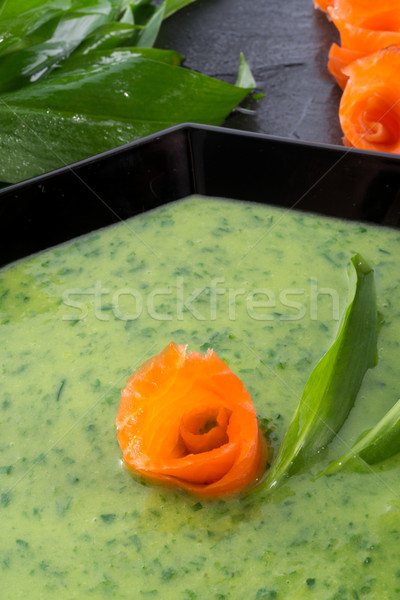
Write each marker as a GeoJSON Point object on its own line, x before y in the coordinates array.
{"type": "Point", "coordinates": [245, 77]}
{"type": "Point", "coordinates": [333, 385]}
{"type": "Point", "coordinates": [172, 6]}
{"type": "Point", "coordinates": [374, 445]}
{"type": "Point", "coordinates": [53, 41]}
{"type": "Point", "coordinates": [109, 36]}
{"type": "Point", "coordinates": [21, 21]}
{"type": "Point", "coordinates": [100, 101]}
{"type": "Point", "coordinates": [148, 35]}
{"type": "Point", "coordinates": [78, 77]}
{"type": "Point", "coordinates": [142, 12]}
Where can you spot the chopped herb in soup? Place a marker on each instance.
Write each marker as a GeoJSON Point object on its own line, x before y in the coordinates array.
{"type": "Point", "coordinates": [266, 289]}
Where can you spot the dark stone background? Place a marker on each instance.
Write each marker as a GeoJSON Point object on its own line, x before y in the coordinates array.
{"type": "Point", "coordinates": [286, 43]}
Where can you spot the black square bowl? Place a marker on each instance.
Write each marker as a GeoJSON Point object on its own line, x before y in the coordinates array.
{"type": "Point", "coordinates": [195, 159]}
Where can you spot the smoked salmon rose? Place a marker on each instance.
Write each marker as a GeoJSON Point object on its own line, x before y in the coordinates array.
{"type": "Point", "coordinates": [187, 420]}
{"type": "Point", "coordinates": [369, 110]}
{"type": "Point", "coordinates": [365, 27]}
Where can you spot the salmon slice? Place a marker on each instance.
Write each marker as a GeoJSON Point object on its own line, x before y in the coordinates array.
{"type": "Point", "coordinates": [369, 110]}
{"type": "Point", "coordinates": [338, 59]}
{"type": "Point", "coordinates": [187, 420]}
{"type": "Point", "coordinates": [365, 27]}
{"type": "Point", "coordinates": [356, 43]}
{"type": "Point", "coordinates": [377, 15]}
{"type": "Point", "coordinates": [361, 39]}
{"type": "Point", "coordinates": [323, 4]}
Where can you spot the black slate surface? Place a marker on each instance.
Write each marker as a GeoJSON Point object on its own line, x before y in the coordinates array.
{"type": "Point", "coordinates": [286, 43]}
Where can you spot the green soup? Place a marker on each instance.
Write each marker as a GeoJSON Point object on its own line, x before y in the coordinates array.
{"type": "Point", "coordinates": [265, 288]}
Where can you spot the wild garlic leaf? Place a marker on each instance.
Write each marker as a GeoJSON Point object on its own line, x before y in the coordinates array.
{"type": "Point", "coordinates": [333, 385]}
{"type": "Point", "coordinates": [51, 42]}
{"type": "Point", "coordinates": [173, 6]}
{"type": "Point", "coordinates": [102, 100]}
{"type": "Point", "coordinates": [78, 77]}
{"type": "Point", "coordinates": [19, 20]}
{"type": "Point", "coordinates": [374, 445]}
{"type": "Point", "coordinates": [109, 36]}
{"type": "Point", "coordinates": [149, 33]}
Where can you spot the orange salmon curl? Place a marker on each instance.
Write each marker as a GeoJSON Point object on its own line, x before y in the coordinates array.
{"type": "Point", "coordinates": [365, 26]}
{"type": "Point", "coordinates": [369, 110]}
{"type": "Point", "coordinates": [187, 420]}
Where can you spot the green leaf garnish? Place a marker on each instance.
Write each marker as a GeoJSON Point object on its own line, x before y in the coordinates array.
{"type": "Point", "coordinates": [149, 33]}
{"type": "Point", "coordinates": [109, 36]}
{"type": "Point", "coordinates": [100, 101]}
{"type": "Point", "coordinates": [50, 40]}
{"type": "Point", "coordinates": [245, 79]}
{"type": "Point", "coordinates": [333, 385]}
{"type": "Point", "coordinates": [78, 77]}
{"type": "Point", "coordinates": [374, 445]}
{"type": "Point", "coordinates": [173, 6]}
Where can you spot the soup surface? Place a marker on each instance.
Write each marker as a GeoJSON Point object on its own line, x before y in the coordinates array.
{"type": "Point", "coordinates": [265, 288]}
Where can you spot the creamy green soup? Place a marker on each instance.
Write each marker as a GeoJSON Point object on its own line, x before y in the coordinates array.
{"type": "Point", "coordinates": [265, 288]}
